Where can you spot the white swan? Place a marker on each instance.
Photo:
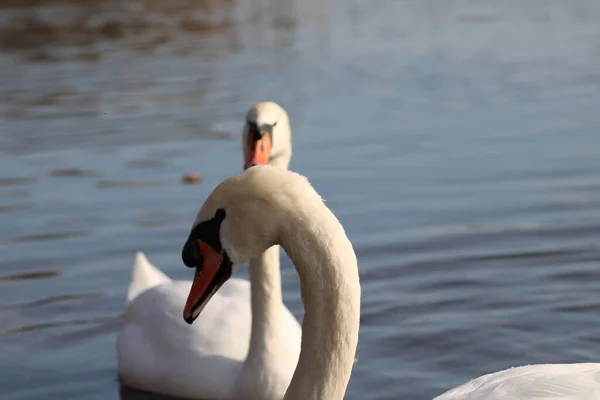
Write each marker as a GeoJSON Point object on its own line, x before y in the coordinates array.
{"type": "Point", "coordinates": [264, 206]}
{"type": "Point", "coordinates": [158, 352]}
{"type": "Point", "coordinates": [533, 382]}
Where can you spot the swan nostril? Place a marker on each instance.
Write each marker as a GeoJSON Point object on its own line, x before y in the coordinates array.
{"type": "Point", "coordinates": [191, 255]}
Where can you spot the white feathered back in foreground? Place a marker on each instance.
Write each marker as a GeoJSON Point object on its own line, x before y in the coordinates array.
{"type": "Point", "coordinates": [533, 382]}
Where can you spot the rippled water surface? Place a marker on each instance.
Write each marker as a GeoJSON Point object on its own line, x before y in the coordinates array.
{"type": "Point", "coordinates": [457, 141]}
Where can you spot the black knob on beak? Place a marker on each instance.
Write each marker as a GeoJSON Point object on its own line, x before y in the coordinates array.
{"type": "Point", "coordinates": [256, 133]}
{"type": "Point", "coordinates": [191, 254]}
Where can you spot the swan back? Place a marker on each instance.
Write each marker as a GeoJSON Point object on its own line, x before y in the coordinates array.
{"type": "Point", "coordinates": [533, 382]}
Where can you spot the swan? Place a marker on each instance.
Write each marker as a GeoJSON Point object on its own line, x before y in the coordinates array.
{"type": "Point", "coordinates": [266, 206]}
{"type": "Point", "coordinates": [246, 344]}
{"type": "Point", "coordinates": [533, 382]}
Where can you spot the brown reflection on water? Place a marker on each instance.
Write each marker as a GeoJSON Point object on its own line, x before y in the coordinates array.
{"type": "Point", "coordinates": [7, 208]}
{"type": "Point", "coordinates": [146, 163]}
{"type": "Point", "coordinates": [106, 184]}
{"type": "Point", "coordinates": [76, 23]}
{"type": "Point", "coordinates": [72, 172]}
{"type": "Point", "coordinates": [34, 327]}
{"type": "Point", "coordinates": [15, 181]}
{"type": "Point", "coordinates": [102, 66]}
{"type": "Point", "coordinates": [29, 275]}
{"type": "Point", "coordinates": [49, 300]}
{"type": "Point", "coordinates": [57, 30]}
{"type": "Point", "coordinates": [38, 237]}
{"type": "Point", "coordinates": [39, 25]}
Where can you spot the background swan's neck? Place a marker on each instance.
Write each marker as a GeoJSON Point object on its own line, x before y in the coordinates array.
{"type": "Point", "coordinates": [282, 161]}
{"type": "Point", "coordinates": [323, 256]}
{"type": "Point", "coordinates": [268, 352]}
{"type": "Point", "coordinates": [266, 301]}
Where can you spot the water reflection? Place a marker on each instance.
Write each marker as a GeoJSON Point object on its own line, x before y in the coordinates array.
{"type": "Point", "coordinates": [28, 275]}
{"type": "Point", "coordinates": [43, 25]}
{"type": "Point", "coordinates": [15, 181]}
{"type": "Point", "coordinates": [35, 327]}
{"type": "Point", "coordinates": [49, 300]}
{"type": "Point", "coordinates": [72, 172]}
{"type": "Point", "coordinates": [457, 143]}
{"type": "Point", "coordinates": [39, 237]}
{"type": "Point", "coordinates": [105, 184]}
{"type": "Point", "coordinates": [69, 63]}
{"type": "Point", "coordinates": [145, 25]}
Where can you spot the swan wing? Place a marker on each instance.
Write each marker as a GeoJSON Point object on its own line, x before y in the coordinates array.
{"type": "Point", "coordinates": [158, 352]}
{"type": "Point", "coordinates": [144, 275]}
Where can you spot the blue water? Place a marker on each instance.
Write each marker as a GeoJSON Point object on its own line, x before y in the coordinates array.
{"type": "Point", "coordinates": [458, 142]}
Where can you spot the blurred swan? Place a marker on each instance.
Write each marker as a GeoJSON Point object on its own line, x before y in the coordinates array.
{"type": "Point", "coordinates": [246, 344]}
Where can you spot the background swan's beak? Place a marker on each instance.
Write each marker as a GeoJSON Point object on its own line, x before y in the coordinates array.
{"type": "Point", "coordinates": [259, 151]}
{"type": "Point", "coordinates": [208, 278]}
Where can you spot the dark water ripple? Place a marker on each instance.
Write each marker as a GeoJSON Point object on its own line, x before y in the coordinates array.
{"type": "Point", "coordinates": [457, 142]}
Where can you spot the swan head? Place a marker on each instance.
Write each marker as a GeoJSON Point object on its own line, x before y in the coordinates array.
{"type": "Point", "coordinates": [240, 219]}
{"type": "Point", "coordinates": [267, 136]}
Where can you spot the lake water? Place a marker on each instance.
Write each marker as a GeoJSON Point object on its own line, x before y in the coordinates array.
{"type": "Point", "coordinates": [457, 141]}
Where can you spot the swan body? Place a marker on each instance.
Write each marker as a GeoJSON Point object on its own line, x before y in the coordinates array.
{"type": "Point", "coordinates": [159, 352]}
{"type": "Point", "coordinates": [533, 382]}
{"type": "Point", "coordinates": [246, 344]}
{"type": "Point", "coordinates": [262, 207]}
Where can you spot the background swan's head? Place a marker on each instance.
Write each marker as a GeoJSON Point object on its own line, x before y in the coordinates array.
{"type": "Point", "coordinates": [241, 218]}
{"type": "Point", "coordinates": [267, 136]}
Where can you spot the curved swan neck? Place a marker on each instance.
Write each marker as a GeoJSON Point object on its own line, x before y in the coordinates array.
{"type": "Point", "coordinates": [266, 300]}
{"type": "Point", "coordinates": [323, 256]}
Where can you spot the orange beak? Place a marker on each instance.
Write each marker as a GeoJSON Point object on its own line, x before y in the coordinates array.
{"type": "Point", "coordinates": [259, 151]}
{"type": "Point", "coordinates": [208, 278]}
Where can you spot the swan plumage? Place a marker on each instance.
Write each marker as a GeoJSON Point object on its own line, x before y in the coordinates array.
{"type": "Point", "coordinates": [533, 382]}
{"type": "Point", "coordinates": [263, 207]}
